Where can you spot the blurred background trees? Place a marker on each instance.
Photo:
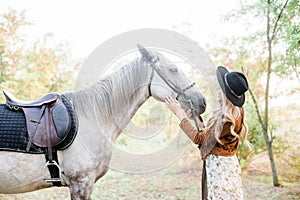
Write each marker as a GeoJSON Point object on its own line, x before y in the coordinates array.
{"type": "Point", "coordinates": [31, 70]}
{"type": "Point", "coordinates": [268, 51]}
{"type": "Point", "coordinates": [269, 54]}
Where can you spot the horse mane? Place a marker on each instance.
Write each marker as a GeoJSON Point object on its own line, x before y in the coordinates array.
{"type": "Point", "coordinates": [112, 93]}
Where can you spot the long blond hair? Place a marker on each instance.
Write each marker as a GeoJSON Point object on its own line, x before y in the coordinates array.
{"type": "Point", "coordinates": [227, 112]}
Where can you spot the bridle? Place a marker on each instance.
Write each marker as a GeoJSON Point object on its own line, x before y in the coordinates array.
{"type": "Point", "coordinates": [172, 85]}
{"type": "Point", "coordinates": [176, 89]}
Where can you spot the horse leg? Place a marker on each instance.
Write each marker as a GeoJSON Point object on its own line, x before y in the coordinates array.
{"type": "Point", "coordinates": [81, 189]}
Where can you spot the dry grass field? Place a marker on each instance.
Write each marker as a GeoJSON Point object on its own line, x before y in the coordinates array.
{"type": "Point", "coordinates": [181, 180]}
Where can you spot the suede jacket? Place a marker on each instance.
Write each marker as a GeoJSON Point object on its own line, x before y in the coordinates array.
{"type": "Point", "coordinates": [207, 141]}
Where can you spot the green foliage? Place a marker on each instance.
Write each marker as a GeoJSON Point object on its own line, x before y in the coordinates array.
{"type": "Point", "coordinates": [286, 41]}
{"type": "Point", "coordinates": [292, 162]}
{"type": "Point", "coordinates": [258, 145]}
{"type": "Point", "coordinates": [255, 137]}
{"type": "Point", "coordinates": [30, 72]}
{"type": "Point", "coordinates": [251, 52]}
{"type": "Point", "coordinates": [289, 35]}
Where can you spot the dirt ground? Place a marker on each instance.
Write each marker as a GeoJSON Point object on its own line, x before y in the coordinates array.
{"type": "Point", "coordinates": [180, 181]}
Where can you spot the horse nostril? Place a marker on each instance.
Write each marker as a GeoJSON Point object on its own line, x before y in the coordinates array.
{"type": "Point", "coordinates": [203, 106]}
{"type": "Point", "coordinates": [204, 102]}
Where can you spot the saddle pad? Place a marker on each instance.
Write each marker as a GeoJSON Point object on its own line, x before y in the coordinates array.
{"type": "Point", "coordinates": [13, 130]}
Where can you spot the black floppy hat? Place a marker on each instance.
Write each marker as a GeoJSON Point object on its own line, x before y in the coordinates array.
{"type": "Point", "coordinates": [233, 84]}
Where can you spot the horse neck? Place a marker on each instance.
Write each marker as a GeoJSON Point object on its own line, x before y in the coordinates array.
{"type": "Point", "coordinates": [114, 99]}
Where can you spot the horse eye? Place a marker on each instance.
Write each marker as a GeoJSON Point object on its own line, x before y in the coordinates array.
{"type": "Point", "coordinates": [173, 69]}
{"type": "Point", "coordinates": [156, 59]}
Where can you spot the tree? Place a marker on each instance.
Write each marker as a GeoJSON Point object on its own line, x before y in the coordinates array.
{"type": "Point", "coordinates": [30, 72]}
{"type": "Point", "coordinates": [275, 45]}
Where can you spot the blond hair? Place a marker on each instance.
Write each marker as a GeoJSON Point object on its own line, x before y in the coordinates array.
{"type": "Point", "coordinates": [227, 112]}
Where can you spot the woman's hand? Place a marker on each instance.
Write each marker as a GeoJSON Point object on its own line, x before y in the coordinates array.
{"type": "Point", "coordinates": [189, 113]}
{"type": "Point", "coordinates": [175, 107]}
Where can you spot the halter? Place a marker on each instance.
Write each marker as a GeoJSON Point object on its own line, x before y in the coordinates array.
{"type": "Point", "coordinates": [176, 89]}
{"type": "Point", "coordinates": [172, 85]}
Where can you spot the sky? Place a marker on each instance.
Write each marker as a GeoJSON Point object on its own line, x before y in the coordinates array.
{"type": "Point", "coordinates": [86, 24]}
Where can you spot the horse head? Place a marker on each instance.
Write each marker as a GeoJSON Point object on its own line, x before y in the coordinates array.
{"type": "Point", "coordinates": [167, 79]}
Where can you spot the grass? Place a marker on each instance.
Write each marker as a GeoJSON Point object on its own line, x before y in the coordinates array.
{"type": "Point", "coordinates": [180, 181]}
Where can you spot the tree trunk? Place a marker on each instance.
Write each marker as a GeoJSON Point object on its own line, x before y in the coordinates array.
{"type": "Point", "coordinates": [273, 167]}
{"type": "Point", "coordinates": [269, 142]}
{"type": "Point", "coordinates": [269, 139]}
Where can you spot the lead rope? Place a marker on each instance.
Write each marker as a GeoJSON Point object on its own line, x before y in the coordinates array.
{"type": "Point", "coordinates": [196, 124]}
{"type": "Point", "coordinates": [194, 116]}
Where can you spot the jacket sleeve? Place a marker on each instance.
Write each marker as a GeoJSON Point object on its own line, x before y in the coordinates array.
{"type": "Point", "coordinates": [191, 132]}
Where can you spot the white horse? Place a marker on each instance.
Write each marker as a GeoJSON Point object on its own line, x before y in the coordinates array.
{"type": "Point", "coordinates": [103, 110]}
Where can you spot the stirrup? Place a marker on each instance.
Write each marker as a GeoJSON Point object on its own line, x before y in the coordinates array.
{"type": "Point", "coordinates": [57, 179]}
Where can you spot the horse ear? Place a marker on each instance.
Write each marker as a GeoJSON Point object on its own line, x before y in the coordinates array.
{"type": "Point", "coordinates": [146, 53]}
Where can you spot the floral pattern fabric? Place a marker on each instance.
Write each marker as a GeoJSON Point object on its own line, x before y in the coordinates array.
{"type": "Point", "coordinates": [223, 178]}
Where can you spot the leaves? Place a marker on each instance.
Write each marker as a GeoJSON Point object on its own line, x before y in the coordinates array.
{"type": "Point", "coordinates": [269, 47]}
{"type": "Point", "coordinates": [30, 72]}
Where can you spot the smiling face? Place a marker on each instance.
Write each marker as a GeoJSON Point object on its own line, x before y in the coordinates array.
{"type": "Point", "coordinates": [168, 79]}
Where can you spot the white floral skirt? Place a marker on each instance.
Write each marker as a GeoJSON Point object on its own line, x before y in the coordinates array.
{"type": "Point", "coordinates": [223, 178]}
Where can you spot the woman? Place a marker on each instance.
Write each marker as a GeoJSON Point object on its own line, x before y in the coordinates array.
{"type": "Point", "coordinates": [218, 142]}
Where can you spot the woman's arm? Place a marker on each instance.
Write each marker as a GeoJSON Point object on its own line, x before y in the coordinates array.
{"type": "Point", "coordinates": [175, 107]}
{"type": "Point", "coordinates": [191, 132]}
{"type": "Point", "coordinates": [186, 126]}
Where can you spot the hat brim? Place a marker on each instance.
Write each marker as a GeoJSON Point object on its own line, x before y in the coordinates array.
{"type": "Point", "coordinates": [221, 71]}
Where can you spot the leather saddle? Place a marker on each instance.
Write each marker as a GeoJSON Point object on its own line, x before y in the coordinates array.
{"type": "Point", "coordinates": [47, 119]}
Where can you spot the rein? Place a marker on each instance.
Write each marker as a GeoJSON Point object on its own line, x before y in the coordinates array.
{"type": "Point", "coordinates": [176, 89]}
